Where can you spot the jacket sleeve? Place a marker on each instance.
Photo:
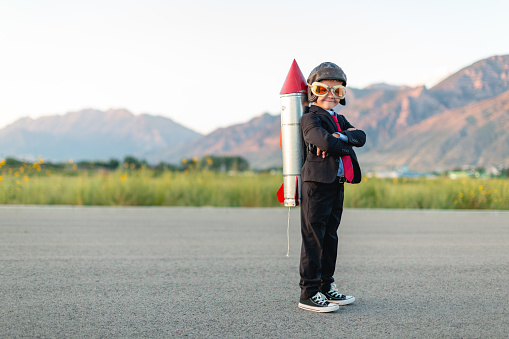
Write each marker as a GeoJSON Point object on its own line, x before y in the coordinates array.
{"type": "Point", "coordinates": [356, 138]}
{"type": "Point", "coordinates": [315, 134]}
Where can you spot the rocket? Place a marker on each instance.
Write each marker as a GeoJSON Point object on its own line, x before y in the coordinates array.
{"type": "Point", "coordinates": [293, 99]}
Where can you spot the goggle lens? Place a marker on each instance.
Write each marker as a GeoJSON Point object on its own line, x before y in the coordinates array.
{"type": "Point", "coordinates": [321, 90]}
{"type": "Point", "coordinates": [340, 92]}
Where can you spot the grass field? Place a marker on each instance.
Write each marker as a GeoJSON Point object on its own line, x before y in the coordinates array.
{"type": "Point", "coordinates": [146, 187]}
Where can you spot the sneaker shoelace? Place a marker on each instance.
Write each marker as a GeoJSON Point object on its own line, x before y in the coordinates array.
{"type": "Point", "coordinates": [334, 291]}
{"type": "Point", "coordinates": [320, 299]}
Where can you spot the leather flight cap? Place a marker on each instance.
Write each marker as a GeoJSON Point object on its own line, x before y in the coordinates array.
{"type": "Point", "coordinates": [325, 71]}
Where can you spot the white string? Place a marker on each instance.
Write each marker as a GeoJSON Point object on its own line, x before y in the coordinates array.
{"type": "Point", "coordinates": [288, 233]}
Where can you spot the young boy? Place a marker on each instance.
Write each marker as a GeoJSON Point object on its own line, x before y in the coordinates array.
{"type": "Point", "coordinates": [330, 161]}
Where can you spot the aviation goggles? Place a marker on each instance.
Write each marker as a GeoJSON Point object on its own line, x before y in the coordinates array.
{"type": "Point", "coordinates": [321, 89]}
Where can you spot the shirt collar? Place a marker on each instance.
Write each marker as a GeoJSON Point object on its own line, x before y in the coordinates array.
{"type": "Point", "coordinates": [331, 112]}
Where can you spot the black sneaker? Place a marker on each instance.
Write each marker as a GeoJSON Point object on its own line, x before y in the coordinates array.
{"type": "Point", "coordinates": [318, 303]}
{"type": "Point", "coordinates": [335, 297]}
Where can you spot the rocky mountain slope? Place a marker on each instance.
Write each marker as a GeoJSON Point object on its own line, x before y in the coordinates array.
{"type": "Point", "coordinates": [476, 134]}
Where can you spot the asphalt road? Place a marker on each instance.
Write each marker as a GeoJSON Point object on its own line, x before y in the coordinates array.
{"type": "Point", "coordinates": [223, 272]}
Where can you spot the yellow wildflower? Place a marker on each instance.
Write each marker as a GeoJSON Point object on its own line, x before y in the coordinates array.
{"type": "Point", "coordinates": [25, 178]}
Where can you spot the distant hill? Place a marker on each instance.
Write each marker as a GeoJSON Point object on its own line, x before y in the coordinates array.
{"type": "Point", "coordinates": [446, 126]}
{"type": "Point", "coordinates": [384, 113]}
{"type": "Point", "coordinates": [256, 140]}
{"type": "Point", "coordinates": [91, 135]}
{"type": "Point", "coordinates": [476, 135]}
{"type": "Point", "coordinates": [484, 79]}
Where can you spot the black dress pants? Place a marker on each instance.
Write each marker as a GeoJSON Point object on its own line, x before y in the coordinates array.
{"type": "Point", "coordinates": [321, 210]}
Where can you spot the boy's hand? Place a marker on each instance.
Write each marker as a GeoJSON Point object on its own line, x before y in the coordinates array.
{"type": "Point", "coordinates": [323, 153]}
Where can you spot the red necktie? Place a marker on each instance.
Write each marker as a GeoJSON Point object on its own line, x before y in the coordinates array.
{"type": "Point", "coordinates": [347, 161]}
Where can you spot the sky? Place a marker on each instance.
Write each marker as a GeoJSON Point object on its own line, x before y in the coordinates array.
{"type": "Point", "coordinates": [212, 64]}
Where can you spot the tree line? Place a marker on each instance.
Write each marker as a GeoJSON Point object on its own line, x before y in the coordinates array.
{"type": "Point", "coordinates": [211, 162]}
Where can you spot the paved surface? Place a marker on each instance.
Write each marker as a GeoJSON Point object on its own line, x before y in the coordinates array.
{"type": "Point", "coordinates": [204, 272]}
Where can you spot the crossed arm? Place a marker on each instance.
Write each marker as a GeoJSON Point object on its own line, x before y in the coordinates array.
{"type": "Point", "coordinates": [335, 135]}
{"type": "Point", "coordinates": [338, 143]}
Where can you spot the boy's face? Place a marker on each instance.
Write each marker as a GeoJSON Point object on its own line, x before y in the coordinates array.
{"type": "Point", "coordinates": [328, 101]}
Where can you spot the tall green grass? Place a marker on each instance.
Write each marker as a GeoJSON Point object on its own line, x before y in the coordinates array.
{"type": "Point", "coordinates": [439, 193]}
{"type": "Point", "coordinates": [146, 187]}
{"type": "Point", "coordinates": [142, 188]}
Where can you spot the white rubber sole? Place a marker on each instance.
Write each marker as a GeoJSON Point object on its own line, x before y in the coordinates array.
{"type": "Point", "coordinates": [330, 308]}
{"type": "Point", "coordinates": [349, 300]}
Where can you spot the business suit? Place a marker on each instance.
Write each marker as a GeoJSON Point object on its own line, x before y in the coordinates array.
{"type": "Point", "coordinates": [322, 196]}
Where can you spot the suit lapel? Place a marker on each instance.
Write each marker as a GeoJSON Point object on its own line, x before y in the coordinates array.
{"type": "Point", "coordinates": [325, 117]}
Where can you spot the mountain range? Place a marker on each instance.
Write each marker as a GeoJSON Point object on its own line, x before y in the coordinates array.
{"type": "Point", "coordinates": [463, 120]}
{"type": "Point", "coordinates": [91, 135]}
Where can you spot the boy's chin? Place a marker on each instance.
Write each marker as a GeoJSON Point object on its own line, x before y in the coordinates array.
{"type": "Point", "coordinates": [327, 107]}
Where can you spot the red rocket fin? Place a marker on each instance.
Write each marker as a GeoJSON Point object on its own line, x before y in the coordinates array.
{"type": "Point", "coordinates": [296, 191]}
{"type": "Point", "coordinates": [281, 194]}
{"type": "Point", "coordinates": [295, 81]}
{"type": "Point", "coordinates": [281, 139]}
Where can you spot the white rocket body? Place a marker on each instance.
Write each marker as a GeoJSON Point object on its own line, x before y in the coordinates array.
{"type": "Point", "coordinates": [293, 100]}
{"type": "Point", "coordinates": [292, 108]}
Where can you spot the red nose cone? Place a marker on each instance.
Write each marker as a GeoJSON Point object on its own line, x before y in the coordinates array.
{"type": "Point", "coordinates": [295, 81]}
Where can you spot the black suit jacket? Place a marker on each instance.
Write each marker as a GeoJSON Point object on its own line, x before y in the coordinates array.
{"type": "Point", "coordinates": [317, 128]}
